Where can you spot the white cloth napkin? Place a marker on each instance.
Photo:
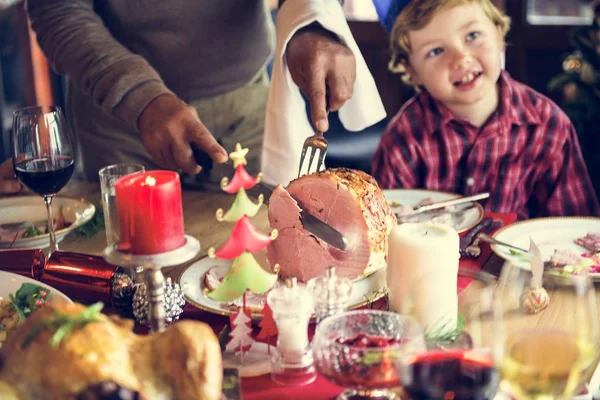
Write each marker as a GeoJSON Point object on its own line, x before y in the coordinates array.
{"type": "Point", "coordinates": [286, 123]}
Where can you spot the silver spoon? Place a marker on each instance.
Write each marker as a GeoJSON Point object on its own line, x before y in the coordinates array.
{"type": "Point", "coordinates": [491, 240]}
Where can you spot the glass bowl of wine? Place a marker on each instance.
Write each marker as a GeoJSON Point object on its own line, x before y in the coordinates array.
{"type": "Point", "coordinates": [362, 351]}
{"type": "Point", "coordinates": [458, 363]}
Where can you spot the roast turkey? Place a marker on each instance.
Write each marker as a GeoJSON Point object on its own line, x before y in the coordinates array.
{"type": "Point", "coordinates": [183, 362]}
{"type": "Point", "coordinates": [348, 200]}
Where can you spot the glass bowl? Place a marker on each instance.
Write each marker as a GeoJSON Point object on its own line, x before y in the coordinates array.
{"type": "Point", "coordinates": [362, 351]}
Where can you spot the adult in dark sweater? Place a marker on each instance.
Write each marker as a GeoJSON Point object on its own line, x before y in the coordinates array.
{"type": "Point", "coordinates": [149, 77]}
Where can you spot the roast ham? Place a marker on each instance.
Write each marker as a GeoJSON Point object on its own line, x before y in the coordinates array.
{"type": "Point", "coordinates": [348, 200]}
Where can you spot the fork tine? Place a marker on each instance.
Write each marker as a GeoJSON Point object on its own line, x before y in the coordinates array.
{"type": "Point", "coordinates": [313, 152]}
{"type": "Point", "coordinates": [321, 163]}
{"type": "Point", "coordinates": [302, 158]}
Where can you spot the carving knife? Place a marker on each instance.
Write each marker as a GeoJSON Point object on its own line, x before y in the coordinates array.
{"type": "Point", "coordinates": [310, 222]}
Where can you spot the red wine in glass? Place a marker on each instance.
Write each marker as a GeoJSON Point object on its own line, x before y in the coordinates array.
{"type": "Point", "coordinates": [42, 154]}
{"type": "Point", "coordinates": [45, 176]}
{"type": "Point", "coordinates": [454, 374]}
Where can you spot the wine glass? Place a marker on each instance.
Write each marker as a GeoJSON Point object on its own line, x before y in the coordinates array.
{"type": "Point", "coordinates": [42, 154]}
{"type": "Point", "coordinates": [458, 363]}
{"type": "Point", "coordinates": [545, 346]}
{"type": "Point", "coordinates": [361, 350]}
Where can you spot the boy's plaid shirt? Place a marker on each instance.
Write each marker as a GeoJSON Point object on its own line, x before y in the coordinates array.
{"type": "Point", "coordinates": [527, 155]}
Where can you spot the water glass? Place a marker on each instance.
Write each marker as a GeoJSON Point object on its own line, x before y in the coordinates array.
{"type": "Point", "coordinates": [108, 176]}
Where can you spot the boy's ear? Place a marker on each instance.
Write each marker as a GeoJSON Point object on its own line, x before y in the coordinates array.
{"type": "Point", "coordinates": [500, 38]}
{"type": "Point", "coordinates": [414, 77]}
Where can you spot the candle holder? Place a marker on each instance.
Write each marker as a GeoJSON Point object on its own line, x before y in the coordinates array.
{"type": "Point", "coordinates": [292, 361]}
{"type": "Point", "coordinates": [153, 276]}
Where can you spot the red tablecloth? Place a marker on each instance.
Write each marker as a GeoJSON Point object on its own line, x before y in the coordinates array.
{"type": "Point", "coordinates": [264, 388]}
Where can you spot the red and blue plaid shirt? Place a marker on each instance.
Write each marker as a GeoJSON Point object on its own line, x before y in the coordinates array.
{"type": "Point", "coordinates": [527, 155]}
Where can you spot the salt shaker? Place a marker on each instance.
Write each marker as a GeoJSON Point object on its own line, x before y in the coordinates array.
{"type": "Point", "coordinates": [331, 294]}
{"type": "Point", "coordinates": [292, 361]}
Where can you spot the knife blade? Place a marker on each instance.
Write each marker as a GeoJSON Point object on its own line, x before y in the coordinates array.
{"type": "Point", "coordinates": [451, 202]}
{"type": "Point", "coordinates": [310, 222]}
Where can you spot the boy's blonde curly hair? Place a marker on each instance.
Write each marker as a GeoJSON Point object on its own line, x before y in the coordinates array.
{"type": "Point", "coordinates": [417, 15]}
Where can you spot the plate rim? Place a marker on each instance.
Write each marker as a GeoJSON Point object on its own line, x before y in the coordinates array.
{"type": "Point", "coordinates": [77, 223]}
{"type": "Point", "coordinates": [39, 283]}
{"type": "Point", "coordinates": [257, 315]}
{"type": "Point", "coordinates": [540, 219]}
{"type": "Point", "coordinates": [455, 195]}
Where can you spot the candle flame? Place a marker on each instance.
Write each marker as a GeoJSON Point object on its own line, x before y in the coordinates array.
{"type": "Point", "coordinates": [150, 181]}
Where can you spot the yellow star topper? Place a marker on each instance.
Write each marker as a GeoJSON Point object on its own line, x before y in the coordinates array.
{"type": "Point", "coordinates": [238, 156]}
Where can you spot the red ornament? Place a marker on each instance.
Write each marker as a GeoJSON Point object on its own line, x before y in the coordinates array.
{"type": "Point", "coordinates": [244, 237]}
{"type": "Point", "coordinates": [241, 179]}
{"type": "Point", "coordinates": [268, 327]}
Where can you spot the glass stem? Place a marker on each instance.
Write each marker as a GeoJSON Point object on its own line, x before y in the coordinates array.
{"type": "Point", "coordinates": [53, 245]}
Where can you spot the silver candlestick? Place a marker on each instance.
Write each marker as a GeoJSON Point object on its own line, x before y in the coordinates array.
{"type": "Point", "coordinates": [153, 276]}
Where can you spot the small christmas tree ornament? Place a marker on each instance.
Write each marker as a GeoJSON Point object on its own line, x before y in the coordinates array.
{"type": "Point", "coordinates": [245, 272]}
{"type": "Point", "coordinates": [331, 294]}
{"type": "Point", "coordinates": [268, 327]}
{"type": "Point", "coordinates": [292, 360]}
{"type": "Point", "coordinates": [536, 299]}
{"type": "Point", "coordinates": [241, 333]}
{"type": "Point", "coordinates": [174, 302]}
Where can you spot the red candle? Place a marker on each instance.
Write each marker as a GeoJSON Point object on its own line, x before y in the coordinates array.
{"type": "Point", "coordinates": [150, 212]}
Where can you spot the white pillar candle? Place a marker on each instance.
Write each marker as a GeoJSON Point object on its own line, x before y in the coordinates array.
{"type": "Point", "coordinates": [422, 275]}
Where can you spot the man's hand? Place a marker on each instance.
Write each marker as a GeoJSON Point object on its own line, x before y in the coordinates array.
{"type": "Point", "coordinates": [323, 68]}
{"type": "Point", "coordinates": [167, 127]}
{"type": "Point", "coordinates": [8, 181]}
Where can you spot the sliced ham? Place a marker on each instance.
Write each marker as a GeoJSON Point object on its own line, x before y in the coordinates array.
{"type": "Point", "coordinates": [348, 200]}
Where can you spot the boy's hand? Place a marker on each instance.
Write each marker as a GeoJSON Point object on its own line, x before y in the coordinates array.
{"type": "Point", "coordinates": [8, 181]}
{"type": "Point", "coordinates": [167, 127]}
{"type": "Point", "coordinates": [323, 68]}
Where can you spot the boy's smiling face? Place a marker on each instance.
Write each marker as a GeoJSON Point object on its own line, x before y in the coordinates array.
{"type": "Point", "coordinates": [457, 58]}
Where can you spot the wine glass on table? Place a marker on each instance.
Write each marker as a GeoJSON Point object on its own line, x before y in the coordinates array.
{"type": "Point", "coordinates": [42, 154]}
{"type": "Point", "coordinates": [545, 346]}
{"type": "Point", "coordinates": [458, 362]}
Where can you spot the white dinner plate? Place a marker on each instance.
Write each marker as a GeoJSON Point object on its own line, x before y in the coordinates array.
{"type": "Point", "coordinates": [10, 283]}
{"type": "Point", "coordinates": [32, 209]}
{"type": "Point", "coordinates": [364, 291]}
{"type": "Point", "coordinates": [412, 197]}
{"type": "Point", "coordinates": [548, 234]}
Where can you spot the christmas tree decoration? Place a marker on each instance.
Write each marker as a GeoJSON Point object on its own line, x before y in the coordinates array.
{"type": "Point", "coordinates": [173, 300]}
{"type": "Point", "coordinates": [579, 87]}
{"type": "Point", "coordinates": [245, 273]}
{"type": "Point", "coordinates": [268, 327]}
{"type": "Point", "coordinates": [240, 341]}
{"type": "Point", "coordinates": [240, 207]}
{"type": "Point", "coordinates": [244, 237]}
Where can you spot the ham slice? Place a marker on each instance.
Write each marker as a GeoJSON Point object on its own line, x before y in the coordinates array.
{"type": "Point", "coordinates": [348, 200]}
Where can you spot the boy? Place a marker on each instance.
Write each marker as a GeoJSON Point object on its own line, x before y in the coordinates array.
{"type": "Point", "coordinates": [472, 128]}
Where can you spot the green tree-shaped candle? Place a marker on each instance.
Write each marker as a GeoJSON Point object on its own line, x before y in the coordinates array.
{"type": "Point", "coordinates": [245, 273]}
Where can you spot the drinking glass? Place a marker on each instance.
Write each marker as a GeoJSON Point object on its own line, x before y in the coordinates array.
{"type": "Point", "coordinates": [108, 176]}
{"type": "Point", "coordinates": [458, 363]}
{"type": "Point", "coordinates": [362, 350]}
{"type": "Point", "coordinates": [548, 354]}
{"type": "Point", "coordinates": [42, 154]}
